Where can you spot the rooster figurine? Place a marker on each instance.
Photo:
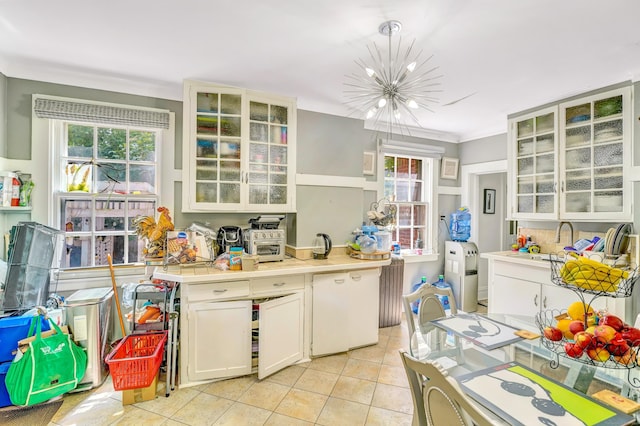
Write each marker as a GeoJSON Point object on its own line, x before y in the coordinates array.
{"type": "Point", "coordinates": [154, 232]}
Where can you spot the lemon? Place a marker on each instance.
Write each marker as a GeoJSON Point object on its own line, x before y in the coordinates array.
{"type": "Point", "coordinates": [578, 309]}
{"type": "Point", "coordinates": [563, 325]}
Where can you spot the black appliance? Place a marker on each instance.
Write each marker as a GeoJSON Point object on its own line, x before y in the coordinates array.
{"type": "Point", "coordinates": [229, 236]}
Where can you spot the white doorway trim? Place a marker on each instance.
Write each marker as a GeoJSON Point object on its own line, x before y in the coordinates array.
{"type": "Point", "coordinates": [470, 187]}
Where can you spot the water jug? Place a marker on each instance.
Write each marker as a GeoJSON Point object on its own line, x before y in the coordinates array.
{"type": "Point", "coordinates": [443, 299]}
{"type": "Point", "coordinates": [460, 226]}
{"type": "Point", "coordinates": [414, 305]}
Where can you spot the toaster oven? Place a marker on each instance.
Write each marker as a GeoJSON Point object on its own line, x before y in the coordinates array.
{"type": "Point", "coordinates": [267, 244]}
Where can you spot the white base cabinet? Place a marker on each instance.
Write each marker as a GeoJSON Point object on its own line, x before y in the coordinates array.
{"type": "Point", "coordinates": [345, 311]}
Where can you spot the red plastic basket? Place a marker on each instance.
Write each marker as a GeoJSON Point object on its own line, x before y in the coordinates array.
{"type": "Point", "coordinates": [134, 362]}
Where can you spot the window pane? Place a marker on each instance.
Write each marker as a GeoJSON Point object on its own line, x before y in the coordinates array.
{"type": "Point", "coordinates": [404, 215]}
{"type": "Point", "coordinates": [389, 167]}
{"type": "Point", "coordinates": [136, 245]}
{"type": "Point", "coordinates": [112, 143]}
{"type": "Point", "coordinates": [109, 244]}
{"type": "Point", "coordinates": [76, 215]}
{"type": "Point", "coordinates": [142, 179]}
{"type": "Point", "coordinates": [78, 252]}
{"type": "Point", "coordinates": [416, 169]}
{"type": "Point", "coordinates": [79, 177]}
{"type": "Point", "coordinates": [419, 215]}
{"type": "Point", "coordinates": [404, 238]}
{"type": "Point", "coordinates": [111, 177]}
{"type": "Point", "coordinates": [403, 168]}
{"type": "Point", "coordinates": [402, 191]}
{"type": "Point", "coordinates": [389, 189]}
{"type": "Point", "coordinates": [80, 141]}
{"type": "Point", "coordinates": [416, 191]}
{"type": "Point", "coordinates": [109, 215]}
{"type": "Point", "coordinates": [140, 208]}
{"type": "Point", "coordinates": [142, 145]}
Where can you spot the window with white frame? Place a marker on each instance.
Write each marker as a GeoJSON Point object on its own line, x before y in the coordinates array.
{"type": "Point", "coordinates": [105, 162]}
{"type": "Point", "coordinates": [408, 184]}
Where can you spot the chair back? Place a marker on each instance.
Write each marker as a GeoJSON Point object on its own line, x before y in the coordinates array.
{"type": "Point", "coordinates": [429, 306]}
{"type": "Point", "coordinates": [437, 398]}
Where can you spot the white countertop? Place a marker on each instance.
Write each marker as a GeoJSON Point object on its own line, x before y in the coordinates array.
{"type": "Point", "coordinates": [289, 266]}
{"type": "Point", "coordinates": [539, 259]}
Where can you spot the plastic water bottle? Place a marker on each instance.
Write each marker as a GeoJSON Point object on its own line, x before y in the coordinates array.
{"type": "Point", "coordinates": [460, 226]}
{"type": "Point", "coordinates": [443, 299]}
{"type": "Point", "coordinates": [414, 305]}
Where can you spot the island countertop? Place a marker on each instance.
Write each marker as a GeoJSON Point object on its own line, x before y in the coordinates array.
{"type": "Point", "coordinates": [539, 260]}
{"type": "Point", "coordinates": [288, 266]}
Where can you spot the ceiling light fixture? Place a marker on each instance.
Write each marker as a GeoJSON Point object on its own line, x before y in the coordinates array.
{"type": "Point", "coordinates": [389, 91]}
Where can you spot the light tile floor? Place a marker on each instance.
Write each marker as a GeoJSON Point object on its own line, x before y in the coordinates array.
{"type": "Point", "coordinates": [365, 386]}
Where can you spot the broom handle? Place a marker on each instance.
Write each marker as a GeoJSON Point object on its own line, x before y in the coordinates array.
{"type": "Point", "coordinates": [115, 294]}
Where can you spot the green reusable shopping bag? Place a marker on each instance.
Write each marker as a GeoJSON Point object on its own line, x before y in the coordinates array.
{"type": "Point", "coordinates": [51, 366]}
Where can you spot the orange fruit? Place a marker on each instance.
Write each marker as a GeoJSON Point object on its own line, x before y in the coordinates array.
{"type": "Point", "coordinates": [563, 325]}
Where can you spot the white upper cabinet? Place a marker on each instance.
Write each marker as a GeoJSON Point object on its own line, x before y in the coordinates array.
{"type": "Point", "coordinates": [238, 150]}
{"type": "Point", "coordinates": [569, 161]}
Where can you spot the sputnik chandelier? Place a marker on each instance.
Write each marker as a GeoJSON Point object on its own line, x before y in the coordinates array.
{"type": "Point", "coordinates": [390, 89]}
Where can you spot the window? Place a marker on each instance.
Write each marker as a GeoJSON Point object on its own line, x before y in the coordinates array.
{"type": "Point", "coordinates": [105, 162]}
{"type": "Point", "coordinates": [408, 185]}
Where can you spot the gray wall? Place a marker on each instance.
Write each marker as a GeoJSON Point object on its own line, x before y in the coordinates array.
{"type": "Point", "coordinates": [491, 148]}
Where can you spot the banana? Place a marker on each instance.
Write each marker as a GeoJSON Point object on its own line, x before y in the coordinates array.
{"type": "Point", "coordinates": [595, 285]}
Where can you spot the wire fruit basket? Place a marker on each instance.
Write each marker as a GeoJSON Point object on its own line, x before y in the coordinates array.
{"type": "Point", "coordinates": [589, 276]}
{"type": "Point", "coordinates": [134, 362]}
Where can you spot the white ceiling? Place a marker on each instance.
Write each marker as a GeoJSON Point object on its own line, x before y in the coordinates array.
{"type": "Point", "coordinates": [512, 54]}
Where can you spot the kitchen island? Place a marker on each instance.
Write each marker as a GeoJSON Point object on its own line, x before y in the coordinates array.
{"type": "Point", "coordinates": [520, 284]}
{"type": "Point", "coordinates": [233, 323]}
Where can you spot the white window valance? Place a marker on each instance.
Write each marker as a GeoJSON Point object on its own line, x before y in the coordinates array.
{"type": "Point", "coordinates": [95, 112]}
{"type": "Point", "coordinates": [411, 149]}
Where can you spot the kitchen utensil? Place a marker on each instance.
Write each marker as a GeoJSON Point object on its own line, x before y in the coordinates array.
{"type": "Point", "coordinates": [321, 246]}
{"type": "Point", "coordinates": [115, 295]}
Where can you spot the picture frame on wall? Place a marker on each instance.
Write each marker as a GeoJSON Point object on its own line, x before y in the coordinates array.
{"type": "Point", "coordinates": [369, 163]}
{"type": "Point", "coordinates": [489, 206]}
{"type": "Point", "coordinates": [449, 168]}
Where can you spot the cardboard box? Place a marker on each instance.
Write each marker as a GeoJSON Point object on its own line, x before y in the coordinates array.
{"type": "Point", "coordinates": [132, 396]}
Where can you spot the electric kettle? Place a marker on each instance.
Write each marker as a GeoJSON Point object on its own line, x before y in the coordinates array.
{"type": "Point", "coordinates": [321, 246]}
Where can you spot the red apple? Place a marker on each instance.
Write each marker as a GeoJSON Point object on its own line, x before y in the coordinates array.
{"type": "Point", "coordinates": [604, 333]}
{"type": "Point", "coordinates": [573, 350]}
{"type": "Point", "coordinates": [618, 346]}
{"type": "Point", "coordinates": [612, 321]}
{"type": "Point", "coordinates": [627, 358]}
{"type": "Point", "coordinates": [552, 333]}
{"type": "Point", "coordinates": [631, 335]}
{"type": "Point", "coordinates": [576, 326]}
{"type": "Point", "coordinates": [598, 353]}
{"type": "Point", "coordinates": [583, 339]}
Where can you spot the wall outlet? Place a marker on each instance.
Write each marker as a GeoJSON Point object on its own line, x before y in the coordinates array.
{"type": "Point", "coordinates": [441, 217]}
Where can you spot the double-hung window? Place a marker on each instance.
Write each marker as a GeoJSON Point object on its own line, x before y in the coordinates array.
{"type": "Point", "coordinates": [105, 172]}
{"type": "Point", "coordinates": [409, 179]}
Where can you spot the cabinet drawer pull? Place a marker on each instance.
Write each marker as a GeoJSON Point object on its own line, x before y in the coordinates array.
{"type": "Point", "coordinates": [278, 284]}
{"type": "Point", "coordinates": [535, 300]}
{"type": "Point", "coordinates": [340, 281]}
{"type": "Point", "coordinates": [544, 302]}
{"type": "Point", "coordinates": [356, 277]}
{"type": "Point", "coordinates": [220, 291]}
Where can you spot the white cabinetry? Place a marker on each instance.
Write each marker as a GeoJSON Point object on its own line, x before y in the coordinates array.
{"type": "Point", "coordinates": [238, 150]}
{"type": "Point", "coordinates": [568, 161]}
{"type": "Point", "coordinates": [345, 311]}
{"type": "Point", "coordinates": [219, 324]}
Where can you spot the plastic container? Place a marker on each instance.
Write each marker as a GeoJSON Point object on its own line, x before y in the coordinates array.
{"type": "Point", "coordinates": [235, 258]}
{"type": "Point", "coordinates": [443, 299]}
{"type": "Point", "coordinates": [384, 240]}
{"type": "Point", "coordinates": [12, 330]}
{"type": "Point", "coordinates": [460, 226]}
{"type": "Point", "coordinates": [136, 359]}
{"type": "Point", "coordinates": [5, 401]}
{"type": "Point", "coordinates": [414, 305]}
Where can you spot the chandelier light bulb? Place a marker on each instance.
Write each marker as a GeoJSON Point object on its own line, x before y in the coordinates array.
{"type": "Point", "coordinates": [370, 71]}
{"type": "Point", "coordinates": [382, 102]}
{"type": "Point", "coordinates": [412, 104]}
{"type": "Point", "coordinates": [412, 66]}
{"type": "Point", "coordinates": [371, 113]}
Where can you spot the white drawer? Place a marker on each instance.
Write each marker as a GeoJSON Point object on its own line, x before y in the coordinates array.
{"type": "Point", "coordinates": [218, 291]}
{"type": "Point", "coordinates": [283, 283]}
{"type": "Point", "coordinates": [541, 274]}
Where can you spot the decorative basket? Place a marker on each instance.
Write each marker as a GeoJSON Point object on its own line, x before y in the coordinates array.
{"type": "Point", "coordinates": [589, 276]}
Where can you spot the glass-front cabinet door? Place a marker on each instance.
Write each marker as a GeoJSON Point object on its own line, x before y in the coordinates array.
{"type": "Point", "coordinates": [238, 149]}
{"type": "Point", "coordinates": [532, 154]}
{"type": "Point", "coordinates": [594, 154]}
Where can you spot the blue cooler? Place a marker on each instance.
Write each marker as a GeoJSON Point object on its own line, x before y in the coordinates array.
{"type": "Point", "coordinates": [4, 395]}
{"type": "Point", "coordinates": [12, 330]}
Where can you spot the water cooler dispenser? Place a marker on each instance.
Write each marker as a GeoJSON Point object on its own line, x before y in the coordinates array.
{"type": "Point", "coordinates": [461, 271]}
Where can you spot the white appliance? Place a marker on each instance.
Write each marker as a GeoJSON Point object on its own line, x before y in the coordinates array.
{"type": "Point", "coordinates": [461, 272]}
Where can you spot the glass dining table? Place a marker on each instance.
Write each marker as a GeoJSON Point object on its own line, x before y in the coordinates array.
{"type": "Point", "coordinates": [467, 358]}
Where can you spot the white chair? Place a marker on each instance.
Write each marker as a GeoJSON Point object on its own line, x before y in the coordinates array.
{"type": "Point", "coordinates": [437, 398]}
{"type": "Point", "coordinates": [429, 306]}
